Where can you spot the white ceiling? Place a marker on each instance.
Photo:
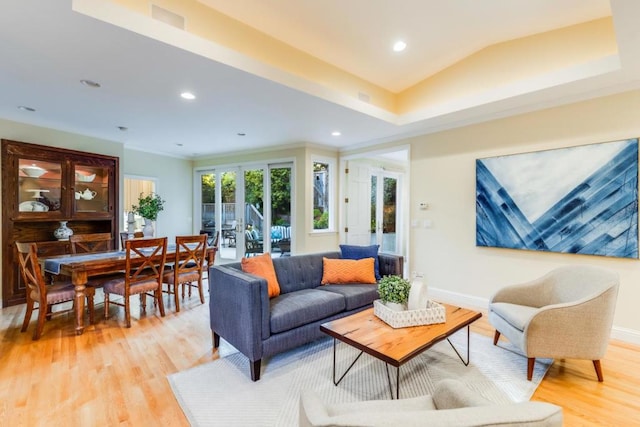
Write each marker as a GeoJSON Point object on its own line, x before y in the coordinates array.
{"type": "Point", "coordinates": [46, 49]}
{"type": "Point", "coordinates": [357, 35]}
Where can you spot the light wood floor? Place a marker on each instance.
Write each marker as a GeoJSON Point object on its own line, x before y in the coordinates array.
{"type": "Point", "coordinates": [112, 375]}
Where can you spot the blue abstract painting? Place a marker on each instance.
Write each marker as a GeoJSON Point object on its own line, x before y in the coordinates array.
{"type": "Point", "coordinates": [581, 200]}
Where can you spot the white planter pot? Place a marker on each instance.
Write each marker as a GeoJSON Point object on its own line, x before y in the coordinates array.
{"type": "Point", "coordinates": [395, 306]}
{"type": "Point", "coordinates": [148, 230]}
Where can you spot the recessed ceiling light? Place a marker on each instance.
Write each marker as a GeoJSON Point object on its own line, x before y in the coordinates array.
{"type": "Point", "coordinates": [90, 83]}
{"type": "Point", "coordinates": [188, 95]}
{"type": "Point", "coordinates": [25, 108]}
{"type": "Point", "coordinates": [399, 46]}
{"type": "Point", "coordinates": [336, 133]}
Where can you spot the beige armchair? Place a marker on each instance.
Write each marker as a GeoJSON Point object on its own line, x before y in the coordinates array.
{"type": "Point", "coordinates": [567, 313]}
{"type": "Point", "coordinates": [452, 404]}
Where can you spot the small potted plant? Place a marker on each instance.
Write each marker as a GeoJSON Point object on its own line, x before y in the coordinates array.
{"type": "Point", "coordinates": [394, 292]}
{"type": "Point", "coordinates": [148, 208]}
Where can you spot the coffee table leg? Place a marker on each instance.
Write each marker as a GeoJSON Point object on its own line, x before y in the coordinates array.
{"type": "Point", "coordinates": [334, 364]}
{"type": "Point", "coordinates": [466, 363]}
{"type": "Point", "coordinates": [386, 365]}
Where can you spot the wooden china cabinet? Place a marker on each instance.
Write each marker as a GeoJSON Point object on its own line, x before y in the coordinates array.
{"type": "Point", "coordinates": [43, 186]}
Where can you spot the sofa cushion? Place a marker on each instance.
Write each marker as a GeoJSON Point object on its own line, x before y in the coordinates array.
{"type": "Point", "coordinates": [298, 308]}
{"type": "Point", "coordinates": [359, 252]}
{"type": "Point", "coordinates": [355, 295]}
{"type": "Point", "coordinates": [338, 271]}
{"type": "Point", "coordinates": [262, 266]}
{"type": "Point", "coordinates": [300, 271]}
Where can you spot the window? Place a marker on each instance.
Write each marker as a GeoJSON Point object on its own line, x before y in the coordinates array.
{"type": "Point", "coordinates": [323, 183]}
{"type": "Point", "coordinates": [133, 187]}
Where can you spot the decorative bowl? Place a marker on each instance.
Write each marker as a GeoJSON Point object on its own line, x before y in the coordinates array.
{"type": "Point", "coordinates": [33, 171]}
{"type": "Point", "coordinates": [85, 178]}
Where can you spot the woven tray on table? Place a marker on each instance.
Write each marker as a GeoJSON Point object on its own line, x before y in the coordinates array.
{"type": "Point", "coordinates": [433, 313]}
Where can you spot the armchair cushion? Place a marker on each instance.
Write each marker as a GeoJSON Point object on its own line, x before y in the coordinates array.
{"type": "Point", "coordinates": [516, 315]}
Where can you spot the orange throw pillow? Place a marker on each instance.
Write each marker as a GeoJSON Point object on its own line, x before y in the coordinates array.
{"type": "Point", "coordinates": [262, 266]}
{"type": "Point", "coordinates": [340, 271]}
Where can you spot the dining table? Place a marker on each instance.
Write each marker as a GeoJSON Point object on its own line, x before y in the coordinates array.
{"type": "Point", "coordinates": [79, 267]}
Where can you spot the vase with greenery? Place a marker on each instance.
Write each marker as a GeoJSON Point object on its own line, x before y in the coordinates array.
{"type": "Point", "coordinates": [148, 208]}
{"type": "Point", "coordinates": [394, 290]}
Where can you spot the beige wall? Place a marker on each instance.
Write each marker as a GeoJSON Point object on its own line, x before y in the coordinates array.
{"type": "Point", "coordinates": [443, 174]}
{"type": "Point", "coordinates": [174, 183]}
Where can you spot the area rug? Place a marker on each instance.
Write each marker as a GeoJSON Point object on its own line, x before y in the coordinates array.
{"type": "Point", "coordinates": [221, 393]}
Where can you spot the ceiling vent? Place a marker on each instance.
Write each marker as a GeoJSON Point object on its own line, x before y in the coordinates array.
{"type": "Point", "coordinates": [364, 97]}
{"type": "Point", "coordinates": [166, 16]}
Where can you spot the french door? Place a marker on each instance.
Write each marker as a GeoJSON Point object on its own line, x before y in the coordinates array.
{"type": "Point", "coordinates": [245, 204]}
{"type": "Point", "coordinates": [372, 214]}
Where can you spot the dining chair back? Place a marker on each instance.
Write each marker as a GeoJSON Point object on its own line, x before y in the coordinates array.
{"type": "Point", "coordinates": [41, 296]}
{"type": "Point", "coordinates": [144, 268]}
{"type": "Point", "coordinates": [124, 236]}
{"type": "Point", "coordinates": [87, 243]}
{"type": "Point", "coordinates": [190, 258]}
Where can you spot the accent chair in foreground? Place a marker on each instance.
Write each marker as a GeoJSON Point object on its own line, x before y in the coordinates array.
{"type": "Point", "coordinates": [452, 404]}
{"type": "Point", "coordinates": [568, 314]}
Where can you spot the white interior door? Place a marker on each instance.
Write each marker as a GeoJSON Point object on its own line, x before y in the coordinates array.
{"type": "Point", "coordinates": [358, 204]}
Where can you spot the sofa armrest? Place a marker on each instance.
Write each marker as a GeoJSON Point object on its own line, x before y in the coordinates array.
{"type": "Point", "coordinates": [390, 264]}
{"type": "Point", "coordinates": [239, 309]}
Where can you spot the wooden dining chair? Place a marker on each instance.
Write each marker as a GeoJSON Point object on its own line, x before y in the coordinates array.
{"type": "Point", "coordinates": [43, 297]}
{"type": "Point", "coordinates": [124, 236]}
{"type": "Point", "coordinates": [88, 243]}
{"type": "Point", "coordinates": [190, 257]}
{"type": "Point", "coordinates": [144, 268]}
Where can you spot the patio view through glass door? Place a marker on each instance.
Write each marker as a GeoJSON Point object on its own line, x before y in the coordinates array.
{"type": "Point", "coordinates": [240, 203]}
{"type": "Point", "coordinates": [384, 212]}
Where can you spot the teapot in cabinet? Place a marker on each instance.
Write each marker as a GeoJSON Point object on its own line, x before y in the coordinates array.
{"type": "Point", "coordinates": [86, 194]}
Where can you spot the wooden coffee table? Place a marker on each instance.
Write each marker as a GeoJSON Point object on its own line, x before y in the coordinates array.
{"type": "Point", "coordinates": [395, 347]}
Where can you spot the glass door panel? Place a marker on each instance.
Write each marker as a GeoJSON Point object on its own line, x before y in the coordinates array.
{"type": "Point", "coordinates": [280, 180]}
{"type": "Point", "coordinates": [253, 210]}
{"type": "Point", "coordinates": [91, 189]}
{"type": "Point", "coordinates": [228, 214]}
{"type": "Point", "coordinates": [208, 205]}
{"type": "Point", "coordinates": [389, 215]}
{"type": "Point", "coordinates": [40, 186]}
{"type": "Point", "coordinates": [384, 214]}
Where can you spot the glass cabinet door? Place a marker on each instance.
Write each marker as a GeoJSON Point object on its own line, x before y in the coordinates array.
{"type": "Point", "coordinates": [40, 186]}
{"type": "Point", "coordinates": [91, 189]}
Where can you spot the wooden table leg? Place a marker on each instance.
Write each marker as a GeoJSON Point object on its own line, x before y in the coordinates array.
{"type": "Point", "coordinates": [79, 280]}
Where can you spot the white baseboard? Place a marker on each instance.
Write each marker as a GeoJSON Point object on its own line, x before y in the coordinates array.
{"type": "Point", "coordinates": [630, 336]}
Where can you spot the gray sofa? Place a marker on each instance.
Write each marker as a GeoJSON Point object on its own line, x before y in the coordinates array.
{"type": "Point", "coordinates": [242, 313]}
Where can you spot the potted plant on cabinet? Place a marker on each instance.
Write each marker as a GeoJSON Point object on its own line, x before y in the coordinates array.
{"type": "Point", "coordinates": [394, 292]}
{"type": "Point", "coordinates": [148, 208]}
